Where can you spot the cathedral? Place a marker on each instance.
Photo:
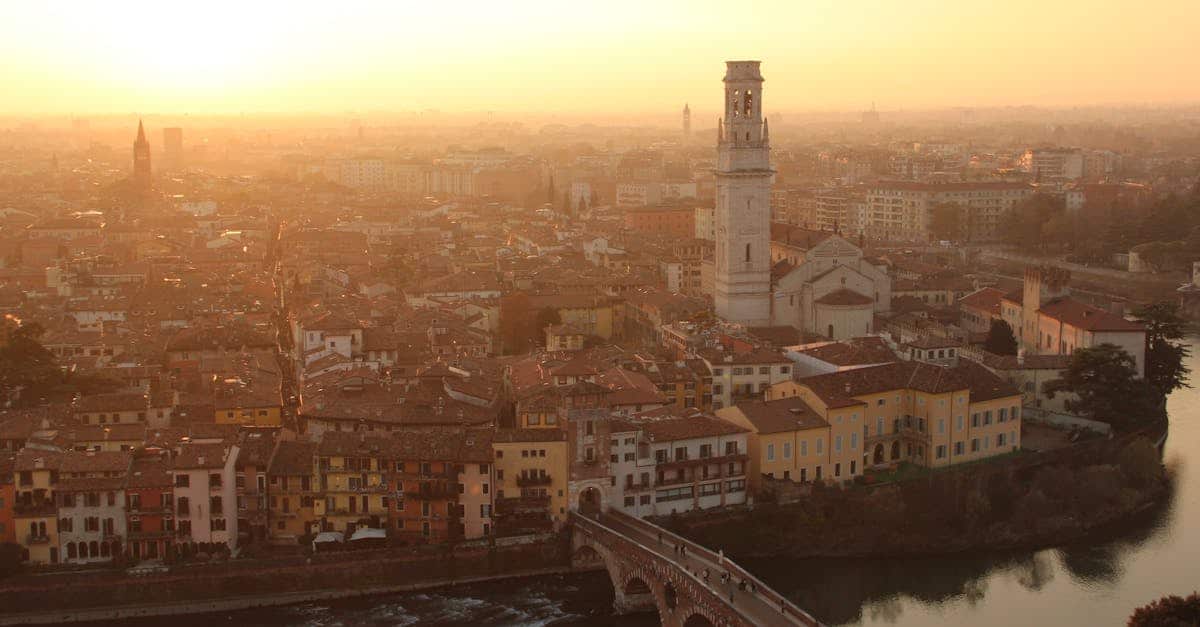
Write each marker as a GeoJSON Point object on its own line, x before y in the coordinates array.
{"type": "Point", "coordinates": [775, 275]}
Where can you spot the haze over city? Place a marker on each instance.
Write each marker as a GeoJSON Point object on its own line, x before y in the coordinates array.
{"type": "Point", "coordinates": [612, 314]}
{"type": "Point", "coordinates": [608, 58]}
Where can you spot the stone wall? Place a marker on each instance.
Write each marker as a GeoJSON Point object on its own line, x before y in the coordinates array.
{"type": "Point", "coordinates": [322, 573]}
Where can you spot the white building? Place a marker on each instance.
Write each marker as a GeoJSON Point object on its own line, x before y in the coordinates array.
{"type": "Point", "coordinates": [824, 285]}
{"type": "Point", "coordinates": [91, 506]}
{"type": "Point", "coordinates": [665, 463]}
{"type": "Point", "coordinates": [205, 477]}
{"type": "Point", "coordinates": [737, 376]}
{"type": "Point", "coordinates": [743, 204]}
{"type": "Point", "coordinates": [902, 210]}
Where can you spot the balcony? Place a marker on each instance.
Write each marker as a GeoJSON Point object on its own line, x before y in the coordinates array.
{"type": "Point", "coordinates": [534, 480]}
{"type": "Point", "coordinates": [522, 505]}
{"type": "Point", "coordinates": [36, 508]}
{"type": "Point", "coordinates": [32, 539]}
{"type": "Point", "coordinates": [432, 492]}
{"type": "Point", "coordinates": [701, 461]}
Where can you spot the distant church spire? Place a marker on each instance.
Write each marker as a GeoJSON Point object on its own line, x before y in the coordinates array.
{"type": "Point", "coordinates": [141, 160]}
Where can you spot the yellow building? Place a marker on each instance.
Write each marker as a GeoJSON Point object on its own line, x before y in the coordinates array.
{"type": "Point", "coordinates": [786, 440]}
{"type": "Point", "coordinates": [293, 491]}
{"type": "Point", "coordinates": [353, 491]}
{"type": "Point", "coordinates": [531, 476]}
{"type": "Point", "coordinates": [909, 411]}
{"type": "Point", "coordinates": [237, 402]}
{"type": "Point", "coordinates": [35, 514]}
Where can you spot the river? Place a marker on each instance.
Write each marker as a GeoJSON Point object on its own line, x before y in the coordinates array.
{"type": "Point", "coordinates": [1097, 583]}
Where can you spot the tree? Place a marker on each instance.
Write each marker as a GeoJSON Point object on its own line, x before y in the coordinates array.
{"type": "Point", "coordinates": [1169, 611]}
{"type": "Point", "coordinates": [946, 221]}
{"type": "Point", "coordinates": [1104, 380]}
{"type": "Point", "coordinates": [1165, 354]}
{"type": "Point", "coordinates": [24, 362]}
{"type": "Point", "coordinates": [1000, 339]}
{"type": "Point", "coordinates": [546, 316]}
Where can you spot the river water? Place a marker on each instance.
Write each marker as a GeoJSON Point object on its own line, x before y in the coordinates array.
{"type": "Point", "coordinates": [1097, 583]}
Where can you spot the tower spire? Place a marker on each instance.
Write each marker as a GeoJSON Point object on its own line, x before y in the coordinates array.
{"type": "Point", "coordinates": [141, 136]}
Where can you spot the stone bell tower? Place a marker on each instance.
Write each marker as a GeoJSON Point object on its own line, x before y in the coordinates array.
{"type": "Point", "coordinates": [743, 206]}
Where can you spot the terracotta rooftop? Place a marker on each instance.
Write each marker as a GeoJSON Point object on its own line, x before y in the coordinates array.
{"type": "Point", "coordinates": [785, 414]}
{"type": "Point", "coordinates": [1087, 317]}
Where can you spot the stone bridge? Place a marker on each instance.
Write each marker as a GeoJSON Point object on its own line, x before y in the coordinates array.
{"type": "Point", "coordinates": [649, 575]}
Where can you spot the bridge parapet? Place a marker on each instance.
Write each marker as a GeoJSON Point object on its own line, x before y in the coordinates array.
{"type": "Point", "coordinates": [686, 588]}
{"type": "Point", "coordinates": [791, 609]}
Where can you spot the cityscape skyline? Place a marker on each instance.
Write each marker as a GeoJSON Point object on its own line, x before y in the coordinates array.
{"type": "Point", "coordinates": [133, 56]}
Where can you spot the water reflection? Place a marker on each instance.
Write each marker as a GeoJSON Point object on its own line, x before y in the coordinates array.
{"type": "Point", "coordinates": [889, 591]}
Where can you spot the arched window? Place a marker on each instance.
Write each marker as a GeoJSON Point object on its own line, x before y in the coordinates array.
{"type": "Point", "coordinates": [83, 550]}
{"type": "Point", "coordinates": [749, 103]}
{"type": "Point", "coordinates": [103, 549]}
{"type": "Point", "coordinates": [94, 548]}
{"type": "Point", "coordinates": [747, 252]}
{"type": "Point", "coordinates": [72, 552]}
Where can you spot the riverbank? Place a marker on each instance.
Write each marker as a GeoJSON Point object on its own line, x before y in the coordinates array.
{"type": "Point", "coordinates": [39, 598]}
{"type": "Point", "coordinates": [247, 602]}
{"type": "Point", "coordinates": [1013, 506]}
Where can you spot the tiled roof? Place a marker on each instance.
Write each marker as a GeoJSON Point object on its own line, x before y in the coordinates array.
{"type": "Point", "coordinates": [853, 352]}
{"type": "Point", "coordinates": [1083, 316]}
{"type": "Point", "coordinates": [197, 456]}
{"type": "Point", "coordinates": [984, 299]}
{"type": "Point", "coordinates": [686, 428]}
{"type": "Point", "coordinates": [294, 457]}
{"type": "Point", "coordinates": [785, 414]}
{"type": "Point", "coordinates": [844, 297]}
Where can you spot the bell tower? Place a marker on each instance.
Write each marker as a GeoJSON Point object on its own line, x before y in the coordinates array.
{"type": "Point", "coordinates": [141, 160]}
{"type": "Point", "coordinates": [743, 205]}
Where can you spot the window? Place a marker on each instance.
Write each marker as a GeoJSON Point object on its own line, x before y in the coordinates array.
{"type": "Point", "coordinates": [182, 481]}
{"type": "Point", "coordinates": [940, 451]}
{"type": "Point", "coordinates": [879, 425]}
{"type": "Point", "coordinates": [941, 425]}
{"type": "Point", "coordinates": [803, 448]}
{"type": "Point", "coordinates": [1000, 439]}
{"type": "Point", "coordinates": [837, 470]}
{"type": "Point", "coordinates": [214, 480]}
{"type": "Point", "coordinates": [1002, 415]}
{"type": "Point", "coordinates": [787, 450]}
{"type": "Point", "coordinates": [959, 426]}
{"type": "Point", "coordinates": [854, 441]}
{"type": "Point", "coordinates": [764, 370]}
{"type": "Point", "coordinates": [958, 448]}
{"type": "Point", "coordinates": [770, 452]}
{"type": "Point", "coordinates": [837, 444]}
{"type": "Point", "coordinates": [820, 446]}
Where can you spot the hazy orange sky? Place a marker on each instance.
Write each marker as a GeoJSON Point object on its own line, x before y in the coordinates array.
{"type": "Point", "coordinates": [617, 56]}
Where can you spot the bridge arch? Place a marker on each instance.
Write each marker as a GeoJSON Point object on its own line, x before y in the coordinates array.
{"type": "Point", "coordinates": [635, 585]}
{"type": "Point", "coordinates": [647, 577]}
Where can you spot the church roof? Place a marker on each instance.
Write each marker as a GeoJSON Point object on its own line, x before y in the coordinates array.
{"type": "Point", "coordinates": [844, 297]}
